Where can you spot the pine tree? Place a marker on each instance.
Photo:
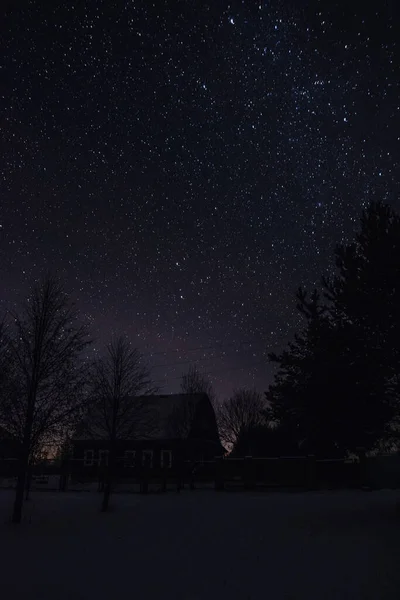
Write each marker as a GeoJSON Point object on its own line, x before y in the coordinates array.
{"type": "Point", "coordinates": [365, 294]}
{"type": "Point", "coordinates": [299, 400]}
{"type": "Point", "coordinates": [337, 385]}
{"type": "Point", "coordinates": [364, 299]}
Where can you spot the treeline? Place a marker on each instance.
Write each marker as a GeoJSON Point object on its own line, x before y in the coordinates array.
{"type": "Point", "coordinates": [51, 386]}
{"type": "Point", "coordinates": [336, 389]}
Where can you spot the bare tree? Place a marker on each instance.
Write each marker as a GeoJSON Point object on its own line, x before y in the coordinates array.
{"type": "Point", "coordinates": [181, 419]}
{"type": "Point", "coordinates": [237, 415]}
{"type": "Point", "coordinates": [195, 382]}
{"type": "Point", "coordinates": [5, 363]}
{"type": "Point", "coordinates": [120, 383]}
{"type": "Point", "coordinates": [48, 374]}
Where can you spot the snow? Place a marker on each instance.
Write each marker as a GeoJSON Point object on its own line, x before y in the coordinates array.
{"type": "Point", "coordinates": [203, 545]}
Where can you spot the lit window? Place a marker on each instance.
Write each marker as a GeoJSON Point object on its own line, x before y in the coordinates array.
{"type": "Point", "coordinates": [129, 458]}
{"type": "Point", "coordinates": [166, 459]}
{"type": "Point", "coordinates": [103, 457]}
{"type": "Point", "coordinates": [147, 458]}
{"type": "Point", "coordinates": [88, 458]}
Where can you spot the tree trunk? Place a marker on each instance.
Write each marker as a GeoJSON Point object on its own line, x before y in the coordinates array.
{"type": "Point", "coordinates": [23, 465]}
{"type": "Point", "coordinates": [106, 496]}
{"type": "Point", "coordinates": [28, 481]}
{"type": "Point", "coordinates": [19, 494]}
{"type": "Point", "coordinates": [108, 479]}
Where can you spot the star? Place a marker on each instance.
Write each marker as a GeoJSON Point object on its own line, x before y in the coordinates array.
{"type": "Point", "coordinates": [183, 176]}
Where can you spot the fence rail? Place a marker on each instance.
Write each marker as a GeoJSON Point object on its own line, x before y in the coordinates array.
{"type": "Point", "coordinates": [304, 472]}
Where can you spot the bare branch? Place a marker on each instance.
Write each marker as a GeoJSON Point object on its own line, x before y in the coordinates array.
{"type": "Point", "coordinates": [47, 383]}
{"type": "Point", "coordinates": [195, 382]}
{"type": "Point", "coordinates": [181, 419]}
{"type": "Point", "coordinates": [117, 412]}
{"type": "Point", "coordinates": [244, 410]}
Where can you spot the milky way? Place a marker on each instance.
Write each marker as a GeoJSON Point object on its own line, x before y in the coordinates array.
{"type": "Point", "coordinates": [185, 166]}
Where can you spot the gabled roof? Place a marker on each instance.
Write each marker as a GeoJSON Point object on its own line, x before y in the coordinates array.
{"type": "Point", "coordinates": [158, 417]}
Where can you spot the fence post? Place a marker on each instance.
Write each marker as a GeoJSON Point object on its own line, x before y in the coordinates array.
{"type": "Point", "coordinates": [63, 476]}
{"type": "Point", "coordinates": [192, 484]}
{"type": "Point", "coordinates": [248, 474]}
{"type": "Point", "coordinates": [62, 482]}
{"type": "Point", "coordinates": [311, 472]}
{"type": "Point", "coordinates": [362, 467]}
{"type": "Point", "coordinates": [219, 473]}
{"type": "Point", "coordinates": [145, 481]}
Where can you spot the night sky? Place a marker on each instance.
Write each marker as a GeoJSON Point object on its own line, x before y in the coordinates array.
{"type": "Point", "coordinates": [185, 166]}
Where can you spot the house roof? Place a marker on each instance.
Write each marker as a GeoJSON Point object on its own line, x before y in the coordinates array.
{"type": "Point", "coordinates": [153, 416]}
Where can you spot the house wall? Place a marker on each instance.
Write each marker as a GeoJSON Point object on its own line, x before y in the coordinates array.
{"type": "Point", "coordinates": [203, 442]}
{"type": "Point", "coordinates": [79, 448]}
{"type": "Point", "coordinates": [193, 449]}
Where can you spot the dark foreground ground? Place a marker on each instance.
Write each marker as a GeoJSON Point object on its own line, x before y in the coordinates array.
{"type": "Point", "coordinates": [203, 545]}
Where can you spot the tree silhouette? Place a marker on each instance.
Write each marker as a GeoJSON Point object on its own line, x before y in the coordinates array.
{"type": "Point", "coordinates": [364, 299]}
{"type": "Point", "coordinates": [119, 411]}
{"type": "Point", "coordinates": [195, 382]}
{"type": "Point", "coordinates": [336, 388]}
{"type": "Point", "coordinates": [6, 368]}
{"type": "Point", "coordinates": [240, 414]}
{"type": "Point", "coordinates": [180, 421]}
{"type": "Point", "coordinates": [265, 440]}
{"type": "Point", "coordinates": [48, 374]}
{"type": "Point", "coordinates": [299, 400]}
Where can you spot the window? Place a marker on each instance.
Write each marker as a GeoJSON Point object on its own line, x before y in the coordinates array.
{"type": "Point", "coordinates": [88, 458]}
{"type": "Point", "coordinates": [147, 458]}
{"type": "Point", "coordinates": [166, 459]}
{"type": "Point", "coordinates": [103, 457]}
{"type": "Point", "coordinates": [130, 457]}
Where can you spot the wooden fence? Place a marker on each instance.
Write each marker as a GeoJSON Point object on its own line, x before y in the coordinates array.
{"type": "Point", "coordinates": [302, 473]}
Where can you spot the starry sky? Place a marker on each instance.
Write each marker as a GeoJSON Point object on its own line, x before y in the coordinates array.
{"type": "Point", "coordinates": [185, 166]}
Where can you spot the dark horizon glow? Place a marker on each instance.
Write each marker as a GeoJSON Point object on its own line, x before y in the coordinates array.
{"type": "Point", "coordinates": [184, 167]}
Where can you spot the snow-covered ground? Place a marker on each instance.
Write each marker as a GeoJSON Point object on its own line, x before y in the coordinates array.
{"type": "Point", "coordinates": [203, 545]}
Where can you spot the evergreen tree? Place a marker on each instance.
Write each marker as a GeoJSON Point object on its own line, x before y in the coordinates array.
{"type": "Point", "coordinates": [364, 299]}
{"type": "Point", "coordinates": [336, 388]}
{"type": "Point", "coordinates": [300, 402]}
{"type": "Point", "coordinates": [265, 440]}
